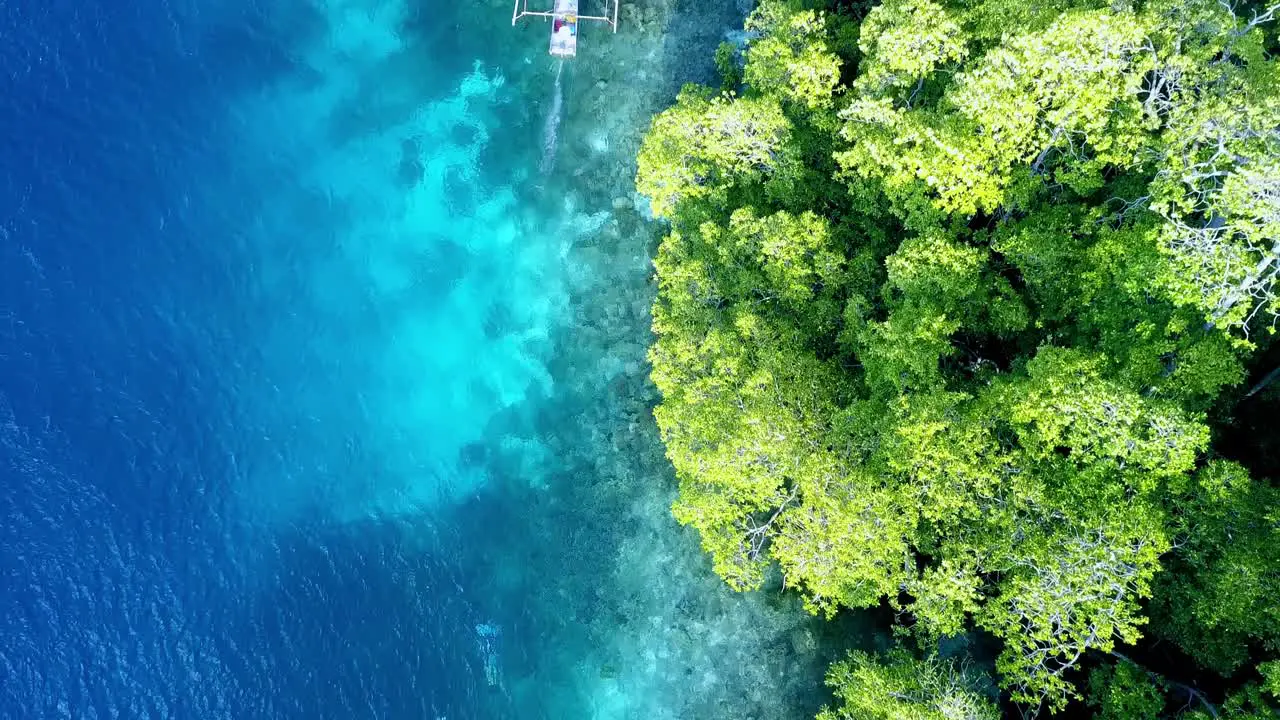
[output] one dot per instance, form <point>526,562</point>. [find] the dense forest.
<point>966,314</point>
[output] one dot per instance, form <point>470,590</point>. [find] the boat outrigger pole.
<point>564,22</point>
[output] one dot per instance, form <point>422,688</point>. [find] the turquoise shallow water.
<point>311,363</point>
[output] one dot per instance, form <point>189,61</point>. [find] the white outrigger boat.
<point>564,22</point>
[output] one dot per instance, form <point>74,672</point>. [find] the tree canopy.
<point>954,299</point>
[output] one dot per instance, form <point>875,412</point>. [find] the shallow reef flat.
<point>488,314</point>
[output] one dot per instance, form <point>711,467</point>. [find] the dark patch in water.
<point>410,169</point>
<point>439,34</point>
<point>459,191</point>
<point>438,269</point>
<point>464,135</point>
<point>497,322</point>
<point>473,454</point>
<point>250,51</point>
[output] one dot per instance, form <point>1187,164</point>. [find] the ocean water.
<point>322,380</point>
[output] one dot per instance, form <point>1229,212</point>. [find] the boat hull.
<point>564,28</point>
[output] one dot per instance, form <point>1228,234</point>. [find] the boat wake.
<point>552,126</point>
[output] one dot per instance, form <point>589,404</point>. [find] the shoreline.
<point>655,634</point>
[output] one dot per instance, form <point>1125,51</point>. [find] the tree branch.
<point>1194,693</point>
<point>1264,382</point>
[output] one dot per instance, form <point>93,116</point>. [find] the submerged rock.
<point>410,169</point>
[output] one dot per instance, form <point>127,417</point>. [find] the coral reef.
<point>476,330</point>
<point>627,619</point>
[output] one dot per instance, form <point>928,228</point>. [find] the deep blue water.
<point>145,573</point>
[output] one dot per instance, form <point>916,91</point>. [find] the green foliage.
<point>1248,703</point>
<point>903,42</point>
<point>989,23</point>
<point>903,688</point>
<point>748,397</point>
<point>728,67</point>
<point>1091,285</point>
<point>1065,403</point>
<point>1271,677</point>
<point>1222,589</point>
<point>792,61</point>
<point>705,144</point>
<point>863,532</point>
<point>946,334</point>
<point>1071,592</point>
<point>1218,185</point>
<point>1219,192</point>
<point>1124,691</point>
<point>1070,90</point>
<point>945,596</point>
<point>935,270</point>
